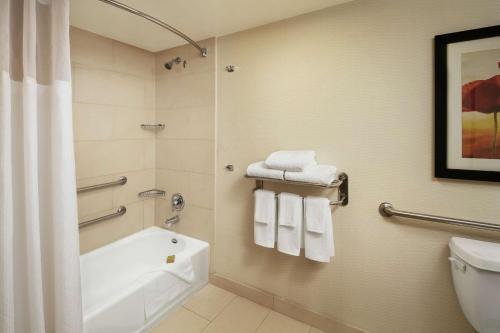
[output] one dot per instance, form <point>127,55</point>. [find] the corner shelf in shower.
<point>154,127</point>
<point>342,183</point>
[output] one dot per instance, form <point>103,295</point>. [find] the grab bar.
<point>121,181</point>
<point>120,211</point>
<point>387,209</point>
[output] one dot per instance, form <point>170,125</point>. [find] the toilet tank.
<point>475,267</point>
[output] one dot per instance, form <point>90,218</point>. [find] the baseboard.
<point>282,305</point>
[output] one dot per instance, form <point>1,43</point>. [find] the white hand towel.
<point>290,216</point>
<point>265,218</point>
<point>259,169</point>
<point>319,174</point>
<point>291,160</point>
<point>318,236</point>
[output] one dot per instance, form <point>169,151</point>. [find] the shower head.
<point>170,64</point>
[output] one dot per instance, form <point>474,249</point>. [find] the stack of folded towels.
<point>298,222</point>
<point>295,165</point>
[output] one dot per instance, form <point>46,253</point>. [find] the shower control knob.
<point>177,202</point>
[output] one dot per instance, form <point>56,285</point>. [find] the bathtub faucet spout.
<point>171,221</point>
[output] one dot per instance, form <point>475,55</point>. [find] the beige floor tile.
<point>209,301</point>
<point>316,330</point>
<point>276,322</point>
<point>181,321</point>
<point>241,315</point>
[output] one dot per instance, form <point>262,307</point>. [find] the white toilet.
<point>475,267</point>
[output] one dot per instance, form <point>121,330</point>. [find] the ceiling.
<point>199,19</point>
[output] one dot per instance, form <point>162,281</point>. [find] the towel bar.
<point>342,183</point>
<point>387,209</point>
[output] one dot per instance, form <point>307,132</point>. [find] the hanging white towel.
<point>265,218</point>
<point>291,160</point>
<point>259,169</point>
<point>319,174</point>
<point>318,236</point>
<point>290,217</point>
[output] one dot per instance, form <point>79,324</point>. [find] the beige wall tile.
<point>127,121</point>
<point>209,301</point>
<point>149,213</point>
<point>186,155</point>
<point>201,190</point>
<point>276,322</point>
<point>90,49</point>
<point>132,60</point>
<point>183,91</point>
<point>241,315</point>
<point>197,222</point>
<point>181,321</point>
<point>316,330</point>
<point>149,153</point>
<point>150,93</point>
<point>92,122</point>
<point>187,123</point>
<point>97,235</point>
<point>94,201</point>
<point>107,87</point>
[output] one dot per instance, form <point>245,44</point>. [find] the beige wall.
<point>185,149</point>
<point>354,83</point>
<point>113,93</point>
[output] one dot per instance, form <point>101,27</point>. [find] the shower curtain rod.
<point>129,9</point>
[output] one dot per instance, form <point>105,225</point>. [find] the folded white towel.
<point>318,236</point>
<point>265,218</point>
<point>320,174</point>
<point>290,226</point>
<point>259,169</point>
<point>291,160</point>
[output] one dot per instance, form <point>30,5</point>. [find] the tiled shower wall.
<point>185,149</point>
<point>113,93</point>
<point>117,87</point>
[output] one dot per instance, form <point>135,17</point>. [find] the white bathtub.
<point>127,285</point>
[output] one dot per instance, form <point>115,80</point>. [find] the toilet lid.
<point>483,255</point>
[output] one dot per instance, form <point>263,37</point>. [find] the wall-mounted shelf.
<point>342,183</point>
<point>153,127</point>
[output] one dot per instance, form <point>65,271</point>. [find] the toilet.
<point>475,267</point>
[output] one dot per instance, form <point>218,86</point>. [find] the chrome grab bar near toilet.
<point>121,181</point>
<point>119,212</point>
<point>388,210</point>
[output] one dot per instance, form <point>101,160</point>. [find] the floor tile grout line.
<point>263,320</point>
<point>196,314</point>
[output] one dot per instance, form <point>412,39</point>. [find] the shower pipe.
<point>162,24</point>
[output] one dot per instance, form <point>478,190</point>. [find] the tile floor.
<point>215,310</point>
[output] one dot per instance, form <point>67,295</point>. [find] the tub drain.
<point>174,240</point>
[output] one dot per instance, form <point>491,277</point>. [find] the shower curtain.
<point>39,250</point>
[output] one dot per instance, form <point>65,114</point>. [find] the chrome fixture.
<point>387,209</point>
<point>120,211</point>
<point>177,202</point>
<point>171,63</point>
<point>171,221</point>
<point>342,183</point>
<point>121,181</point>
<point>153,127</point>
<point>154,193</point>
<point>203,51</point>
<point>229,167</point>
<point>231,68</point>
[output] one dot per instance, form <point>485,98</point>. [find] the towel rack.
<point>121,181</point>
<point>387,209</point>
<point>342,183</point>
<point>119,212</point>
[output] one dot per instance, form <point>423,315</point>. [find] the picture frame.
<point>467,117</point>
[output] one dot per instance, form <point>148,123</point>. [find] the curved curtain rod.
<point>129,9</point>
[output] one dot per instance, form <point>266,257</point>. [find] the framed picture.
<point>467,104</point>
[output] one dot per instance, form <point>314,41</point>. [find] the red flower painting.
<point>482,96</point>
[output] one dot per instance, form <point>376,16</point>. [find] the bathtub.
<point>127,286</point>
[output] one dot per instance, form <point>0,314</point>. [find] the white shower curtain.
<point>39,251</point>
